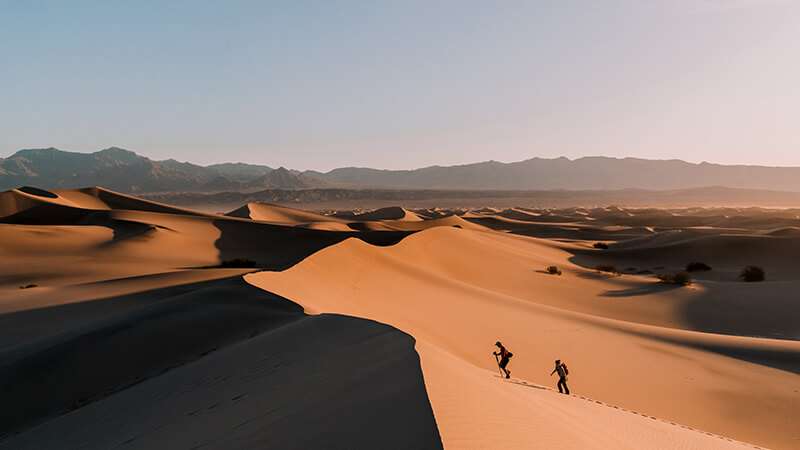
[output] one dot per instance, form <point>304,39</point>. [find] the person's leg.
<point>566,388</point>
<point>560,380</point>
<point>504,366</point>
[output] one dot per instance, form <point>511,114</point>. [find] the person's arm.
<point>554,371</point>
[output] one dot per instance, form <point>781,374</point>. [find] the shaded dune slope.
<point>237,375</point>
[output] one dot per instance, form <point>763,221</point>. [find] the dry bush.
<point>553,270</point>
<point>753,274</point>
<point>697,267</point>
<point>680,278</point>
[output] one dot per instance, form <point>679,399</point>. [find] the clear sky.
<point>403,84</point>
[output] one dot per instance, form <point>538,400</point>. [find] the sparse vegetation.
<point>601,245</point>
<point>697,267</point>
<point>29,286</point>
<point>752,274</point>
<point>239,263</point>
<point>553,270</point>
<point>607,269</point>
<point>679,279</point>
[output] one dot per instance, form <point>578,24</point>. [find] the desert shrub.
<point>680,278</point>
<point>553,270</point>
<point>697,267</point>
<point>601,245</point>
<point>606,268</point>
<point>752,274</point>
<point>239,263</point>
<point>29,286</point>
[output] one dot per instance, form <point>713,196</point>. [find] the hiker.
<point>504,357</point>
<point>562,370</point>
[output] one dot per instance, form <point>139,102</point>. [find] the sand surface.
<point>374,329</point>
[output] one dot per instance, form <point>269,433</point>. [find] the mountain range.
<point>126,171</point>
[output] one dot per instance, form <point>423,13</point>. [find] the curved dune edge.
<point>675,374</point>
<point>266,212</point>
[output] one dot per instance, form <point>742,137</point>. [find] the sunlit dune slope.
<point>457,291</point>
<point>279,214</point>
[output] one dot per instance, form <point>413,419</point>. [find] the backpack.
<point>509,355</point>
<point>566,371</point>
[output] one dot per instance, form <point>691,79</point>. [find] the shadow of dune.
<point>277,247</point>
<point>768,310</point>
<point>141,363</point>
<point>597,275</point>
<point>641,290</point>
<point>37,191</point>
<point>553,230</point>
<point>50,214</point>
<point>785,359</point>
<point>53,374</point>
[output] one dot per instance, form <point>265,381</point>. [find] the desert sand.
<point>134,324</point>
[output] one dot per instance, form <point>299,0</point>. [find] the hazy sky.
<point>402,84</point>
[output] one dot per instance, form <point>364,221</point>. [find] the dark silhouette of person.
<point>562,371</point>
<point>505,357</point>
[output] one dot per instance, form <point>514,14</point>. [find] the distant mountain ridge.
<point>589,173</point>
<point>126,171</point>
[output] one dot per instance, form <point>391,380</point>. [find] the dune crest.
<point>266,212</point>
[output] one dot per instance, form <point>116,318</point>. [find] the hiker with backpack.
<point>562,370</point>
<point>503,356</point>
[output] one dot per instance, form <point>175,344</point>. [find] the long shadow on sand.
<point>220,364</point>
<point>641,290</point>
<point>50,214</point>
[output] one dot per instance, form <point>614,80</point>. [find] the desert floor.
<point>126,323</point>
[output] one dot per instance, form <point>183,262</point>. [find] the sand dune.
<point>373,330</point>
<point>414,225</point>
<point>279,214</point>
<point>71,239</point>
<point>483,292</point>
